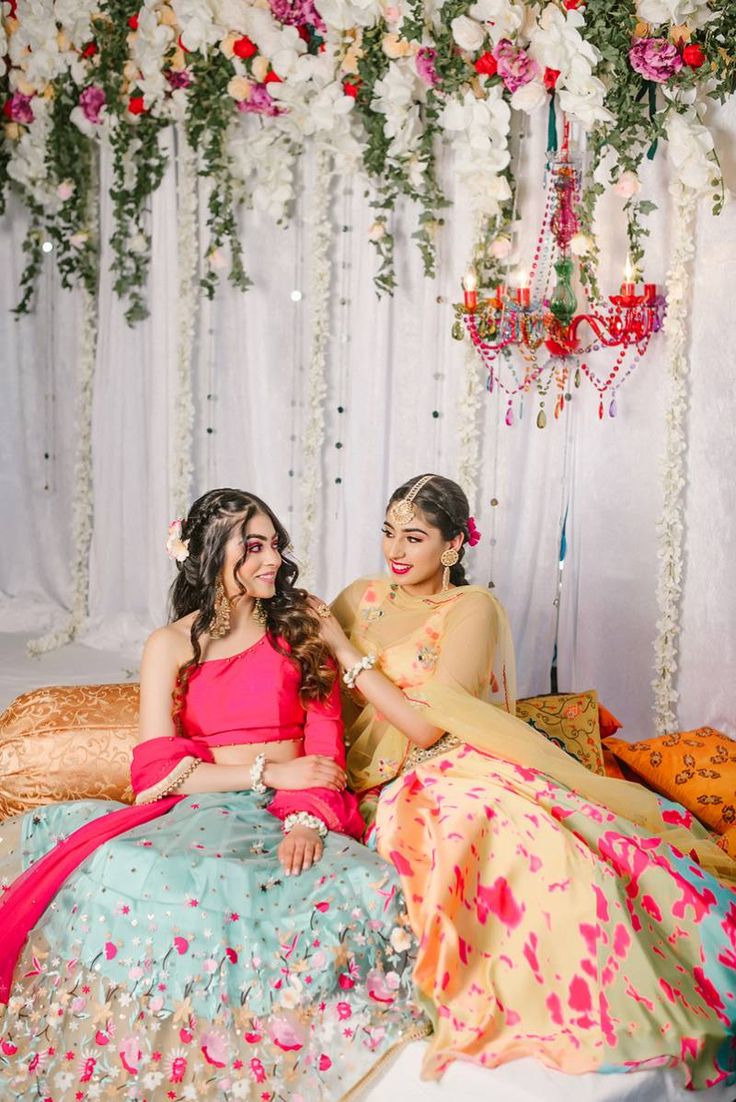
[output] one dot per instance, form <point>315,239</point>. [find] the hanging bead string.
<point>343,349</point>
<point>297,345</point>
<point>49,379</point>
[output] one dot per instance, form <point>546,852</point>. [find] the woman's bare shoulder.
<point>171,644</point>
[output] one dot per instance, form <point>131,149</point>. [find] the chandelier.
<point>534,341</point>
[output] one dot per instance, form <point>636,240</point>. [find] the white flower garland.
<point>314,433</point>
<point>670,527</point>
<point>468,409</point>
<point>83,503</point>
<point>187,223</point>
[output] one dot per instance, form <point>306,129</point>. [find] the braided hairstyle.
<point>207,528</point>
<point>446,507</point>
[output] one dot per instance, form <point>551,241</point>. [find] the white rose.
<point>504,18</point>
<point>400,939</point>
<point>468,33</point>
<point>694,13</point>
<point>529,97</point>
<point>501,247</point>
<point>377,231</point>
<point>628,184</point>
<point>580,244</point>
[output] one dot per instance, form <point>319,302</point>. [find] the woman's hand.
<point>311,771</point>
<point>329,629</point>
<point>299,850</point>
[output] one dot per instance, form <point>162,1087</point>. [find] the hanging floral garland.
<point>187,222</point>
<point>255,82</point>
<point>314,432</point>
<point>83,502</point>
<point>670,528</point>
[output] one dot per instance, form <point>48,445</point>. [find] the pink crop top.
<point>254,697</point>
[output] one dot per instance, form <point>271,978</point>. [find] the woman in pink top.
<point>226,937</point>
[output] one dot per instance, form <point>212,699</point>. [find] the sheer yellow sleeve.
<point>469,644</point>
<point>346,604</point>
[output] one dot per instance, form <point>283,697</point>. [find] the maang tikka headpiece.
<point>404,510</point>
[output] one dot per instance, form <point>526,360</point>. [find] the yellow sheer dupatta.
<point>452,655</point>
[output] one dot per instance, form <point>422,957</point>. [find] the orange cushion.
<point>607,722</point>
<point>611,765</point>
<point>695,768</point>
<point>570,720</point>
<point>67,743</point>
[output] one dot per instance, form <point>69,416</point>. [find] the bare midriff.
<point>246,753</point>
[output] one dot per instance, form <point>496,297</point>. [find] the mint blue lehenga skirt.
<point>178,962</point>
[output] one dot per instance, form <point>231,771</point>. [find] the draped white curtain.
<point>393,378</point>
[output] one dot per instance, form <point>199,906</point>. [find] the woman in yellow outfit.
<point>560,914</point>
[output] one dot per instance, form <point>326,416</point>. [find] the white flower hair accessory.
<point>176,548</point>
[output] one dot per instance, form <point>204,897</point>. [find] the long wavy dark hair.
<point>207,528</point>
<point>446,507</point>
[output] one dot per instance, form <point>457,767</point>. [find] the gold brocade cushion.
<point>695,768</point>
<point>570,720</point>
<point>67,742</point>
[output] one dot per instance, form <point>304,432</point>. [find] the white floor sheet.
<point>521,1081</point>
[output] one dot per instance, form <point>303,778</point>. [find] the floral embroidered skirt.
<point>551,928</point>
<point>178,962</point>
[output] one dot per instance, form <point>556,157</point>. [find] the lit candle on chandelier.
<point>523,290</point>
<point>628,287</point>
<point>470,289</point>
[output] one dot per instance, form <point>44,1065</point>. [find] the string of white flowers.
<point>670,527</point>
<point>468,420</point>
<point>314,432</point>
<point>187,223</point>
<point>83,501</point>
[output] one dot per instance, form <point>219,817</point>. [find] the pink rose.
<point>344,1011</point>
<point>656,59</point>
<point>424,62</point>
<point>259,102</point>
<point>18,108</point>
<point>515,67</point>
<point>92,100</point>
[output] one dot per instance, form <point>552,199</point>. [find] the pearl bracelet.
<point>304,819</point>
<point>256,774</point>
<point>367,662</point>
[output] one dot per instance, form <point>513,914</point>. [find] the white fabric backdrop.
<point>391,364</point>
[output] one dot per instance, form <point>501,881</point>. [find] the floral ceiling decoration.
<point>378,84</point>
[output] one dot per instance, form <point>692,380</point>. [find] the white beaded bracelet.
<point>304,819</point>
<point>256,774</point>
<point>367,662</point>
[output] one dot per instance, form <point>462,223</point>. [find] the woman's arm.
<point>465,661</point>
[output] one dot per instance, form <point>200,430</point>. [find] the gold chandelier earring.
<point>448,558</point>
<point>220,622</point>
<point>259,612</point>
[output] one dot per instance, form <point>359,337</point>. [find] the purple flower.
<point>297,13</point>
<point>181,79</point>
<point>18,108</point>
<point>259,102</point>
<point>92,100</point>
<point>425,60</point>
<point>515,67</point>
<point>655,58</point>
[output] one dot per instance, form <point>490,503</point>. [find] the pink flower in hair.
<point>473,533</point>
<point>176,548</point>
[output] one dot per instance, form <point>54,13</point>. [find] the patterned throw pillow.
<point>570,720</point>
<point>67,743</point>
<point>727,841</point>
<point>695,768</point>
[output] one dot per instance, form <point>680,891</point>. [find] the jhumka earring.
<point>220,622</point>
<point>404,510</point>
<point>259,613</point>
<point>448,558</point>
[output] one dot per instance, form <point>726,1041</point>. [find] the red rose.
<point>136,106</point>
<point>272,78</point>
<point>572,4</point>
<point>244,48</point>
<point>551,76</point>
<point>90,49</point>
<point>693,55</point>
<point>486,65</point>
<point>350,89</point>
<point>133,22</point>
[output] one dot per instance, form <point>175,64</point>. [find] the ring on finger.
<point>323,611</point>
